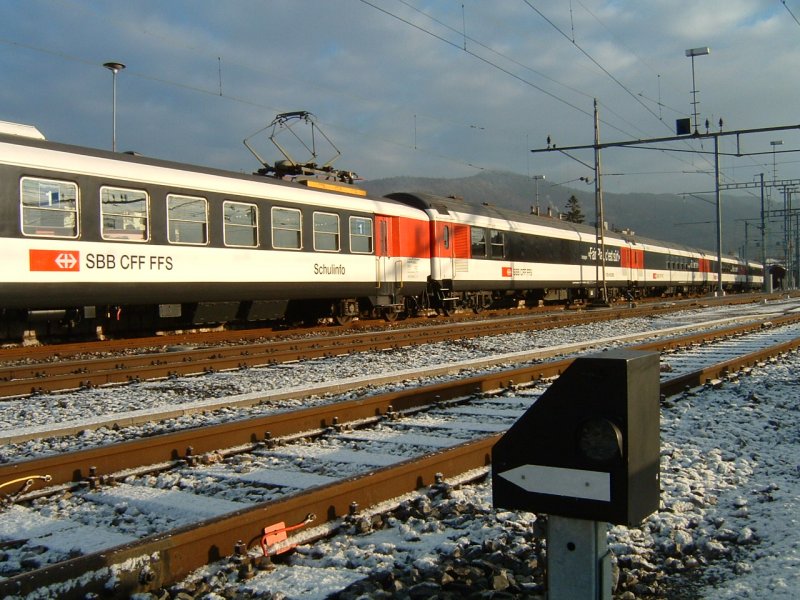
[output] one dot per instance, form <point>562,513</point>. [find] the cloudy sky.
<point>442,88</point>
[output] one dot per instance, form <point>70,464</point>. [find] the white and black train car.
<point>484,255</point>
<point>91,237</point>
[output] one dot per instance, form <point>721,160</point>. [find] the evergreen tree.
<point>574,213</point>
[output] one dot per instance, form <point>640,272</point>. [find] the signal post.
<point>586,454</point>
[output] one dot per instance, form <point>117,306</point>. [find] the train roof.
<point>447,205</point>
<point>131,157</point>
<point>20,129</point>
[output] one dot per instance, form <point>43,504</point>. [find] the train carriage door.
<point>442,267</point>
<point>632,263</point>
<point>388,265</point>
<point>451,249</point>
<point>461,249</point>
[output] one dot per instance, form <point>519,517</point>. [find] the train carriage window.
<point>49,207</point>
<point>361,237</point>
<point>125,214</point>
<point>326,232</point>
<point>187,219</point>
<point>287,228</point>
<point>241,224</point>
<point>478,236</point>
<point>496,241</point>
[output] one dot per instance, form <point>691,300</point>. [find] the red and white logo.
<point>506,272</point>
<point>55,260</point>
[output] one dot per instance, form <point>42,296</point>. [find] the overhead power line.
<point>789,10</point>
<point>591,58</point>
<point>476,42</point>
<point>486,60</point>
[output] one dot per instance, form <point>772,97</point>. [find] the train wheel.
<point>390,316</point>
<point>343,319</point>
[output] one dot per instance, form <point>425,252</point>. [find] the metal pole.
<point>114,114</point>
<point>694,97</point>
<point>788,275</point>
<point>765,288</point>
<point>602,292</point>
<point>790,264</point>
<point>744,248</point>
<point>536,179</point>
<point>578,560</point>
<point>114,67</point>
<point>796,249</point>
<point>720,290</point>
<point>692,52</point>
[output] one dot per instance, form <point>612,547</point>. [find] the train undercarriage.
<point>114,321</point>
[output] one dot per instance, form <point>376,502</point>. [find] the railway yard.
<point>353,463</point>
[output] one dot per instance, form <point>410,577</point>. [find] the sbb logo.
<point>54,260</point>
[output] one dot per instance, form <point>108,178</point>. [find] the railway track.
<point>145,408</point>
<point>27,377</point>
<point>462,411</point>
<point>63,349</point>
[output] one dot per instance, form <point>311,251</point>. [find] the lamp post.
<point>692,52</point>
<point>114,67</point>
<point>775,143</point>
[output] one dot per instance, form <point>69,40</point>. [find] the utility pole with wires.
<point>601,289</point>
<point>597,146</point>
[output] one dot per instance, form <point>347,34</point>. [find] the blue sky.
<point>391,83</point>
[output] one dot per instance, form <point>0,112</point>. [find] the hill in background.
<point>667,217</point>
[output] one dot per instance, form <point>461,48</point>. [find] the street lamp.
<point>774,143</point>
<point>114,67</point>
<point>692,52</point>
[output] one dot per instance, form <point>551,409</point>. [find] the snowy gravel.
<point>726,528</point>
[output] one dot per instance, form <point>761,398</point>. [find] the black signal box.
<point>683,126</point>
<point>588,448</point>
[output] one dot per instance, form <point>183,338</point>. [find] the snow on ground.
<point>732,462</point>
<point>728,522</point>
<point>727,527</point>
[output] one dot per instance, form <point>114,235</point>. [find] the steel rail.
<point>189,444</point>
<point>22,380</point>
<point>157,561</point>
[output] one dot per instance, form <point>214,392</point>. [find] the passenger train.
<point>99,240</point>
